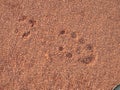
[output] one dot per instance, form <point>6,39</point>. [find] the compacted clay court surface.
<point>59,44</point>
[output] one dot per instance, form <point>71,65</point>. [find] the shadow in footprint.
<point>81,41</point>
<point>69,55</point>
<point>26,34</point>
<point>86,60</point>
<point>89,47</point>
<point>73,35</point>
<point>32,22</point>
<point>61,48</point>
<point>62,32</point>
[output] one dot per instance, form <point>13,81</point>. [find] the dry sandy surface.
<point>59,44</point>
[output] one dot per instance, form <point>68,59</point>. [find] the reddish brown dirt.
<point>59,44</point>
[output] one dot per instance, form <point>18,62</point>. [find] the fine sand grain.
<point>59,44</point>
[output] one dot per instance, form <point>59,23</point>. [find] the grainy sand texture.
<point>59,44</point>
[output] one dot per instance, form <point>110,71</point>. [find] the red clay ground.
<point>59,44</point>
